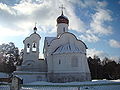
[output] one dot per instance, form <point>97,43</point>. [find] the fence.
<point>105,86</point>
<point>4,86</point>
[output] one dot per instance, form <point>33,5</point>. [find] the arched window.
<point>28,48</point>
<point>74,61</point>
<point>64,29</point>
<point>59,61</point>
<point>34,46</point>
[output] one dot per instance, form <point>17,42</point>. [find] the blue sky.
<point>96,22</point>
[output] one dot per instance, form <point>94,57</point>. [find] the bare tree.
<point>9,57</point>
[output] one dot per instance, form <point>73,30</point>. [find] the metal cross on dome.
<point>35,24</point>
<point>62,8</point>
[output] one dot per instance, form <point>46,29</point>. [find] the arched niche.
<point>34,46</point>
<point>28,48</point>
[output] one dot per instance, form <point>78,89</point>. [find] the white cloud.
<point>98,25</point>
<point>84,3</point>
<point>115,58</point>
<point>114,43</point>
<point>6,8</point>
<point>93,51</point>
<point>102,4</point>
<point>25,8</point>
<point>99,19</point>
<point>24,14</point>
<point>118,2</point>
<point>8,32</point>
<point>89,38</point>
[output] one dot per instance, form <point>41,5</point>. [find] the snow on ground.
<point>89,85</point>
<point>75,83</point>
<point>74,88</point>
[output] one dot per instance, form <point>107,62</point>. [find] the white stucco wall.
<point>61,28</point>
<point>66,61</point>
<point>35,66</point>
<point>29,77</point>
<point>65,66</point>
<point>31,55</point>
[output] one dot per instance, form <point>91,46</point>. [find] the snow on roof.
<point>31,36</point>
<point>49,39</point>
<point>67,48</point>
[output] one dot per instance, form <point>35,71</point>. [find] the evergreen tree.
<point>103,69</point>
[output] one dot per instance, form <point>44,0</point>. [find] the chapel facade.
<point>64,57</point>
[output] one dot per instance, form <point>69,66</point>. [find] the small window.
<point>74,61</point>
<point>64,29</point>
<point>28,48</point>
<point>34,47</point>
<point>28,64</point>
<point>59,61</point>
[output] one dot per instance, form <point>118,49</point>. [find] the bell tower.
<point>31,48</point>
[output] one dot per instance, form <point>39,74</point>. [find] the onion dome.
<point>62,19</point>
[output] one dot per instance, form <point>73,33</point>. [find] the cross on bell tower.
<point>35,28</point>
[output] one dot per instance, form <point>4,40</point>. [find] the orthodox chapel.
<point>64,57</point>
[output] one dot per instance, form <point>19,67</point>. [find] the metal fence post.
<point>78,88</point>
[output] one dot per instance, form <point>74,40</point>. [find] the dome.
<point>62,19</point>
<point>35,29</point>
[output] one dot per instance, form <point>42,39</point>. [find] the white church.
<point>64,57</point>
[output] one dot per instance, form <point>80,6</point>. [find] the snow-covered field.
<point>91,85</point>
<point>94,85</point>
<point>76,83</point>
<point>112,87</point>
